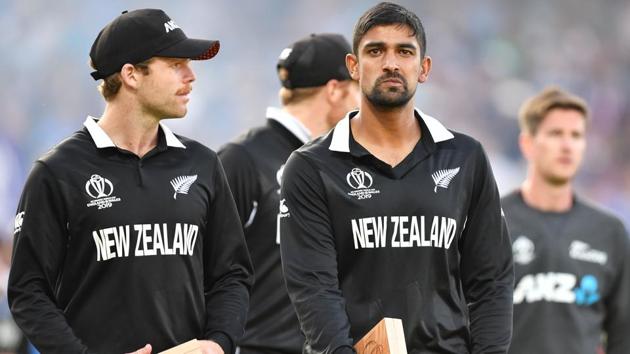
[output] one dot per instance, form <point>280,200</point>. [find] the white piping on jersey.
<point>291,123</point>
<point>341,135</point>
<point>102,140</point>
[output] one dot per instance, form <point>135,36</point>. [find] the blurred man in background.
<point>127,234</point>
<point>572,259</point>
<point>316,93</point>
<point>393,215</point>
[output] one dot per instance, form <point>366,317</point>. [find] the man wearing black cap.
<point>316,92</point>
<point>127,234</point>
<point>393,215</point>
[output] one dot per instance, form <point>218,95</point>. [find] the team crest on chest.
<point>100,189</point>
<point>443,178</point>
<point>182,184</point>
<point>361,183</point>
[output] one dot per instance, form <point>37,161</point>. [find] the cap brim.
<point>195,49</point>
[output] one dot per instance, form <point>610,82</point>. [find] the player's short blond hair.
<point>111,85</point>
<point>534,110</point>
<point>297,95</point>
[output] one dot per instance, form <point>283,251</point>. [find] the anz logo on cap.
<point>170,25</point>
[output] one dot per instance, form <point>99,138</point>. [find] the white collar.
<point>341,135</point>
<point>102,140</point>
<point>290,122</point>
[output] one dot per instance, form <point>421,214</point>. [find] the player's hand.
<point>145,350</point>
<point>210,347</point>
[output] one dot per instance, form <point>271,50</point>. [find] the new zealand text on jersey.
<point>151,240</point>
<point>404,231</point>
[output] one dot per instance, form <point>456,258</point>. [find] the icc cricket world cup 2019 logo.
<point>358,179</point>
<point>361,183</point>
<point>98,187</point>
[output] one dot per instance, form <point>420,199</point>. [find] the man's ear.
<point>525,143</point>
<point>425,68</point>
<point>352,63</point>
<point>334,91</point>
<point>129,76</point>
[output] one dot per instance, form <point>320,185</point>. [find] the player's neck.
<point>129,128</point>
<point>390,135</point>
<point>311,116</point>
<point>545,196</point>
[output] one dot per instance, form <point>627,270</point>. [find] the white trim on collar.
<point>290,122</point>
<point>341,135</point>
<point>171,139</point>
<point>438,131</point>
<point>102,140</point>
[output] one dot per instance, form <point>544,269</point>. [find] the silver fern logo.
<point>443,178</point>
<point>182,184</point>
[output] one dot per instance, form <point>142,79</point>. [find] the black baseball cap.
<point>138,35</point>
<point>314,60</point>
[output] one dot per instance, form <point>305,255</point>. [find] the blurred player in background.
<point>572,259</point>
<point>316,93</point>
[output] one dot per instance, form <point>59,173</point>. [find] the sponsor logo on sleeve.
<point>283,212</point>
<point>101,190</point>
<point>17,225</point>
<point>361,182</point>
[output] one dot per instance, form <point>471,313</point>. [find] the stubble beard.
<point>392,97</point>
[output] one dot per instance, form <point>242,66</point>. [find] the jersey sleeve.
<point>228,269</point>
<point>617,321</point>
<point>309,259</point>
<point>39,248</point>
<point>486,264</point>
<point>242,178</point>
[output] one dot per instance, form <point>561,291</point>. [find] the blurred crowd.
<point>488,56</point>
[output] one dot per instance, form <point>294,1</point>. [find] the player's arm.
<point>309,259</point>
<point>486,264</point>
<point>228,270</point>
<point>617,321</point>
<point>242,177</point>
<point>39,248</point>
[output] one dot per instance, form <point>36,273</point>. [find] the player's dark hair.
<point>387,13</point>
<point>535,109</point>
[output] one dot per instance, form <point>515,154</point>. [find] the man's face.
<point>388,65</point>
<point>163,93</point>
<point>555,151</point>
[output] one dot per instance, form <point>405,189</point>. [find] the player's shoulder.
<point>597,214</point>
<point>76,146</point>
<point>317,149</point>
<point>193,147</point>
<point>512,198</point>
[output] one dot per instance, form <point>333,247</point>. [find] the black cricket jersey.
<point>423,241</point>
<point>572,279</point>
<point>113,251</point>
<point>253,164</point>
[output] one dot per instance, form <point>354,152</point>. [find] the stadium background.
<point>488,56</point>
